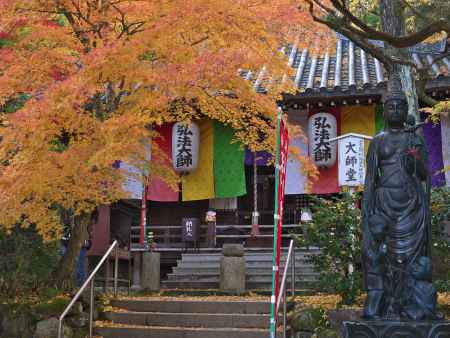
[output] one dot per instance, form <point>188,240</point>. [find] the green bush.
<point>440,214</point>
<point>336,230</point>
<point>25,263</point>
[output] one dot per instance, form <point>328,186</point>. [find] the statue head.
<point>395,104</point>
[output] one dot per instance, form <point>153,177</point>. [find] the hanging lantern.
<point>321,128</point>
<point>185,146</point>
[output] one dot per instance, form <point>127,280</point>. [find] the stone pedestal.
<point>151,271</point>
<point>396,329</point>
<point>232,269</point>
<point>136,285</point>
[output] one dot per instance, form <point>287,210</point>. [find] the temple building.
<point>339,93</point>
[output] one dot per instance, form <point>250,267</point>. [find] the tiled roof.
<point>349,70</point>
<point>351,67</point>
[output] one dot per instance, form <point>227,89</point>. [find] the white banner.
<point>134,177</point>
<point>295,179</point>
<point>133,184</point>
<point>352,167</point>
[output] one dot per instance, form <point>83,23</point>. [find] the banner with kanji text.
<point>280,179</point>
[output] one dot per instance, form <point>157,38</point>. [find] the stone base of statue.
<point>396,329</point>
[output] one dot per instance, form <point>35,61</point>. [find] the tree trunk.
<point>409,87</point>
<point>393,22</point>
<point>63,276</point>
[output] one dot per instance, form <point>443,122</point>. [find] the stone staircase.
<point>202,270</point>
<point>175,318</point>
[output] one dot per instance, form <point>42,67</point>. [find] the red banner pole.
<point>280,178</point>
<point>142,237</point>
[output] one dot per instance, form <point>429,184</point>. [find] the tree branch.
<point>440,57</point>
<point>427,99</point>
<point>399,42</point>
<point>421,81</point>
<point>127,28</point>
<point>352,33</point>
<point>415,11</point>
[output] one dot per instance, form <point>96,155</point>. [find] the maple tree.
<point>83,81</point>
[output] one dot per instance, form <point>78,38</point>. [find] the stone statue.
<point>396,220</point>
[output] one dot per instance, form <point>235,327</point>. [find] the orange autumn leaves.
<point>99,73</point>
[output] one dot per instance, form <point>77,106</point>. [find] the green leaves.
<point>440,216</point>
<point>336,230</point>
<point>25,262</point>
<point>15,103</point>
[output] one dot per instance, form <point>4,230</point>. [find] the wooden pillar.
<point>100,232</point>
<point>255,213</point>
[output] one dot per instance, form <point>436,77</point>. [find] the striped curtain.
<point>159,190</point>
<point>229,170</point>
<point>199,184</point>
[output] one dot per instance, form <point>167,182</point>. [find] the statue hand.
<point>410,160</point>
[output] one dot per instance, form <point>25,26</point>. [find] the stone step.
<point>181,332</point>
<point>248,255</point>
<point>189,306</point>
<point>267,252</point>
<point>249,270</point>
<point>268,277</point>
<point>183,264</point>
<point>214,282</point>
<point>248,277</point>
<point>189,285</point>
<point>254,285</point>
<point>206,320</point>
<point>252,258</point>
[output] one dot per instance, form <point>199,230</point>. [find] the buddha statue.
<point>396,219</point>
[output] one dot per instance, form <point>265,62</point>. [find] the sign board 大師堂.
<point>351,161</point>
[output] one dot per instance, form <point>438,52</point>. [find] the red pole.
<point>143,215</point>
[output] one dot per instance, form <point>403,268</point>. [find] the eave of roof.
<point>349,75</point>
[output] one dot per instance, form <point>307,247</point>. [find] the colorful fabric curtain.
<point>360,120</point>
<point>229,171</point>
<point>159,190</point>
<point>295,179</point>
<point>262,157</point>
<point>445,134</point>
<point>379,121</point>
<point>433,142</point>
<point>199,184</point>
<point>223,203</point>
<point>327,182</point>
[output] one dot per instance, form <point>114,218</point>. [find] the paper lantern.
<point>185,146</point>
<point>321,128</point>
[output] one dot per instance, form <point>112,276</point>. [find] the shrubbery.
<point>25,263</point>
<point>440,216</point>
<point>336,229</point>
